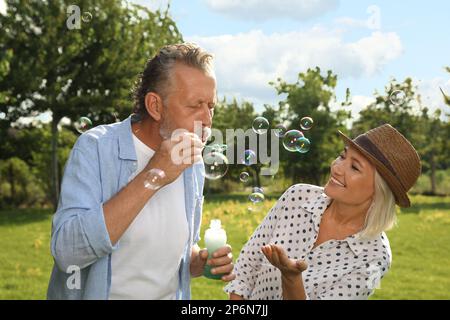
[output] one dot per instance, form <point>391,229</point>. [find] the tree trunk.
<point>54,167</point>
<point>12,183</point>
<point>433,174</point>
<point>317,180</point>
<point>257,178</point>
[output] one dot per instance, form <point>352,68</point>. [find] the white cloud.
<point>2,7</point>
<point>431,95</point>
<point>351,22</point>
<point>152,5</point>
<point>358,103</point>
<point>246,62</point>
<point>372,22</point>
<point>272,9</point>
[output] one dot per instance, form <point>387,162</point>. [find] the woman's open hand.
<point>278,258</point>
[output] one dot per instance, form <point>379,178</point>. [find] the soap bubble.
<point>304,145</point>
<point>217,147</point>
<point>83,124</point>
<point>87,16</point>
<point>154,179</point>
<point>280,130</point>
<point>306,123</point>
<point>249,157</point>
<point>257,195</point>
<point>398,97</point>
<point>244,176</point>
<point>291,140</point>
<point>260,125</point>
<point>216,165</point>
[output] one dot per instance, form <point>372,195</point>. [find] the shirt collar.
<point>126,144</point>
<point>317,204</point>
<point>356,245</point>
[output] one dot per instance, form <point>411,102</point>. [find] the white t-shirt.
<point>146,264</point>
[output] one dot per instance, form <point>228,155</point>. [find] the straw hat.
<point>394,157</point>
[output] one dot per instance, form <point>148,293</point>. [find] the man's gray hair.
<point>157,72</point>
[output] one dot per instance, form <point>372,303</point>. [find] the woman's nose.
<point>336,168</point>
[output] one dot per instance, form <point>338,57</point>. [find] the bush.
<point>18,186</point>
<point>423,185</point>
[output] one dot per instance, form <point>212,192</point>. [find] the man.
<point>113,238</point>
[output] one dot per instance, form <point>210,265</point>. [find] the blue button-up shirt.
<point>99,166</point>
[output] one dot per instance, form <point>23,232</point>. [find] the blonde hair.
<point>381,215</point>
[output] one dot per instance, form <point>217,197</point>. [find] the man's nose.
<point>206,116</point>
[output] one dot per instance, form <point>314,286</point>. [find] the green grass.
<point>420,246</point>
<point>25,260</point>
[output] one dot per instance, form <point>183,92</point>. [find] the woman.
<point>329,243</point>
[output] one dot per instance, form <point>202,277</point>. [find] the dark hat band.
<point>364,142</point>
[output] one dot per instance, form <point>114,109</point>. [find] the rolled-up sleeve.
<point>251,257</point>
<point>79,233</point>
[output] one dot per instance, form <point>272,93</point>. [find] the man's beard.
<point>165,129</point>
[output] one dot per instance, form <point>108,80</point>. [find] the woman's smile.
<point>337,182</point>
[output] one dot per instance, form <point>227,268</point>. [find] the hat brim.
<point>401,197</point>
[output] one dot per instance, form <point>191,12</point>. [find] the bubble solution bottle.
<point>215,238</point>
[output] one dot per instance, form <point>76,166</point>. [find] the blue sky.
<point>284,37</point>
<point>366,43</point>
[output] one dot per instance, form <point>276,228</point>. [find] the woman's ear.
<point>153,105</point>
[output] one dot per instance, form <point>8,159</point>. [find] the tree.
<point>18,185</point>
<point>310,96</point>
<point>40,159</point>
<point>435,145</point>
<point>427,133</point>
<point>231,115</point>
<point>31,144</point>
<point>74,72</point>
<point>399,114</point>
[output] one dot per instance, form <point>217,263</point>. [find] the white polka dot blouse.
<point>337,269</point>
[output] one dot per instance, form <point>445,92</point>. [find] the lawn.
<point>420,246</point>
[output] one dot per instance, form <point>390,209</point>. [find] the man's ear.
<point>153,105</point>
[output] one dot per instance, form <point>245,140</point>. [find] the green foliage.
<point>18,186</point>
<point>87,70</point>
<point>5,57</point>
<point>77,72</point>
<point>311,96</point>
<point>29,150</point>
<point>41,156</point>
<point>442,183</point>
<point>384,111</point>
<point>428,133</point>
<point>230,115</point>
